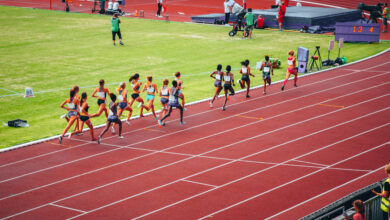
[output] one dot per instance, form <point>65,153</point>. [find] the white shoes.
<point>112,130</point>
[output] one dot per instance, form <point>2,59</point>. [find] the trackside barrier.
<point>336,209</point>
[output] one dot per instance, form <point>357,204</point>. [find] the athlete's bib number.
<point>266,69</point>
<point>164,92</point>
<point>290,62</point>
<point>120,98</point>
<point>217,76</point>
<point>244,70</point>
<point>101,94</point>
<point>71,105</point>
<point>150,90</point>
<point>172,99</point>
<point>226,78</point>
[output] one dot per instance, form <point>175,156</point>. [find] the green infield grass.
<point>51,51</point>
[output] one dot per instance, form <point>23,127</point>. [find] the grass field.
<point>52,51</point>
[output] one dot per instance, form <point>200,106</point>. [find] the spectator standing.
<point>385,17</point>
<point>299,3</point>
<point>227,11</point>
<point>159,6</point>
<point>281,13</point>
<point>238,10</point>
<point>277,2</point>
<point>385,200</point>
<point>102,5</point>
<point>249,18</point>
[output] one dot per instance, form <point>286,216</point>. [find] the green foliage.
<point>51,51</point>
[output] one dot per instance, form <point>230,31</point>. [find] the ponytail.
<point>72,93</point>
<point>83,96</point>
<point>133,77</point>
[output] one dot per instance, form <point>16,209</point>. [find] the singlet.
<point>290,62</point>
<point>150,89</point>
<point>85,109</point>
<point>173,98</point>
<point>165,91</point>
<point>227,78</point>
<point>218,75</point>
<point>178,81</point>
<point>244,70</point>
<point>72,103</point>
<point>122,98</point>
<point>101,93</point>
<point>115,109</point>
<point>135,89</point>
<point>266,68</point>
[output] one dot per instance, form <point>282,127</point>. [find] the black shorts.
<point>134,95</point>
<point>84,118</point>
<point>101,101</point>
<point>227,86</point>
<point>116,33</point>
<point>384,21</point>
<point>245,78</point>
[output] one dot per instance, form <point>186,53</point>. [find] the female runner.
<point>135,95</point>
<point>73,104</point>
<point>164,94</point>
<point>112,118</point>
<point>228,79</point>
<point>123,105</point>
<point>180,86</point>
<point>246,72</point>
<point>217,75</point>
<point>292,62</point>
<point>151,89</point>
<point>101,96</point>
<point>173,102</point>
<point>84,116</point>
<point>267,69</point>
<point>76,127</point>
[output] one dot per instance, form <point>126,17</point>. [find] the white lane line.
<point>159,151</point>
<point>326,192</point>
<point>295,180</point>
<point>317,164</point>
<point>260,171</point>
<point>366,115</point>
<point>74,195</point>
<point>205,184</point>
<point>64,207</point>
<point>210,122</point>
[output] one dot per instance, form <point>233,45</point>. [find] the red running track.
<point>313,145</point>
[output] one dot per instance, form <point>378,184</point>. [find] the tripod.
<point>314,59</point>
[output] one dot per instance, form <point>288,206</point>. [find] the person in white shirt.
<point>299,3</point>
<point>159,6</point>
<point>238,10</point>
<point>227,11</point>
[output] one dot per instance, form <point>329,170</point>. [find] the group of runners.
<point>78,107</point>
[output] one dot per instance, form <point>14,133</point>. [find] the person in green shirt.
<point>115,28</point>
<point>249,18</point>
<point>385,17</point>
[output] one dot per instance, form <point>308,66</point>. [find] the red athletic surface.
<point>182,10</point>
<point>282,155</point>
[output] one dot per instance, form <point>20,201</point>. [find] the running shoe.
<point>112,130</point>
<point>121,137</point>
<point>184,109</point>
<point>121,43</point>
<point>295,85</point>
<point>60,140</point>
<point>264,93</point>
<point>128,122</point>
<point>63,116</point>
<point>211,104</point>
<point>139,105</point>
<point>79,134</point>
<point>247,96</point>
<point>70,135</point>
<point>238,81</point>
<point>156,117</point>
<point>223,108</point>
<point>99,139</point>
<point>282,88</point>
<point>182,122</point>
<point>159,123</point>
<point>114,44</point>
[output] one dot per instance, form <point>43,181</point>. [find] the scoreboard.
<point>357,31</point>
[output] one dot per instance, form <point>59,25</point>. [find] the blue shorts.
<point>149,97</point>
<point>266,76</point>
<point>122,105</point>
<point>174,104</point>
<point>217,83</point>
<point>164,101</point>
<point>71,114</point>
<point>112,118</point>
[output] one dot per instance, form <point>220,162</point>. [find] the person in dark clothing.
<point>159,6</point>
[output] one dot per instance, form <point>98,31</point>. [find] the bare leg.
<point>90,129</point>
<point>168,114</point>
<point>248,84</point>
<point>70,123</point>
<point>105,130</point>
